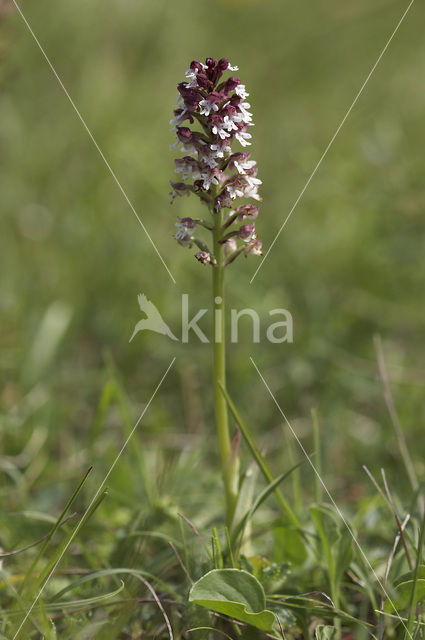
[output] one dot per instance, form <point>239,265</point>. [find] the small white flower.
<point>241,91</point>
<point>251,191</point>
<point>246,115</point>
<point>180,118</point>
<point>209,178</point>
<point>253,182</point>
<point>186,168</point>
<point>243,165</point>
<point>234,191</point>
<point>191,76</point>
<point>207,107</point>
<point>254,246</point>
<point>243,137</point>
<point>221,131</point>
<point>233,68</point>
<point>209,160</point>
<point>256,250</point>
<point>228,124</point>
<point>220,150</point>
<point>182,231</point>
<point>183,235</point>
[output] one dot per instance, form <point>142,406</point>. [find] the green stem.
<point>229,459</point>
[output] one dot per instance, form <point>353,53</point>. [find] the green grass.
<point>348,266</point>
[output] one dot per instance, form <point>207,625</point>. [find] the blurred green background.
<point>349,263</point>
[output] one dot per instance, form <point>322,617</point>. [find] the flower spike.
<point>215,172</point>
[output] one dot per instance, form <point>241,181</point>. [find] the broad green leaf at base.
<point>236,594</point>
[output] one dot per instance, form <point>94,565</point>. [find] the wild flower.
<point>215,173</point>
<point>219,175</point>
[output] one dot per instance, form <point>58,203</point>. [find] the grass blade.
<point>58,523</point>
<point>259,459</point>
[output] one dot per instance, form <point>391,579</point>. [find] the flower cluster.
<point>216,174</point>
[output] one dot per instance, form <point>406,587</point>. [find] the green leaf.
<point>343,549</point>
<point>236,594</point>
<point>289,546</point>
<point>336,542</point>
<point>324,632</point>
<point>403,594</point>
<point>72,604</point>
<point>410,575</point>
<point>242,522</point>
<point>248,483</point>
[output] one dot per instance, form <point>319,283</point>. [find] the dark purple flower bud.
<point>231,84</point>
<point>190,139</point>
<point>222,65</point>
<point>179,189</point>
<point>182,88</point>
<point>184,134</point>
<point>235,100</point>
<point>191,102</point>
<point>214,70</point>
<point>215,97</point>
<point>246,231</point>
<point>190,96</point>
<point>189,223</point>
<point>203,81</point>
<point>203,256</point>
<point>196,65</point>
<point>180,186</point>
<point>186,160</point>
<point>249,211</point>
<point>214,119</point>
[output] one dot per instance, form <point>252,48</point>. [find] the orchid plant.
<point>219,176</point>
